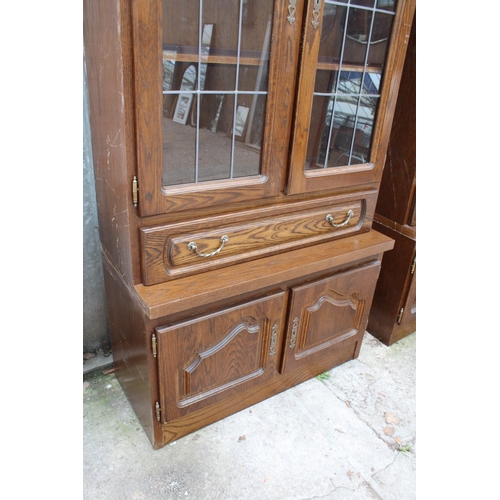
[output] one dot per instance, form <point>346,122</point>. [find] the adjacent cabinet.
<point>394,311</point>
<point>238,151</point>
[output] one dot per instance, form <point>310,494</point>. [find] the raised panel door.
<point>327,315</point>
<point>208,359</point>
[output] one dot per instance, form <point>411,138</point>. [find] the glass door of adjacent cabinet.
<point>207,111</point>
<point>345,53</point>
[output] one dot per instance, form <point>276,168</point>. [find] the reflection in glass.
<point>182,108</point>
<point>356,27</point>
<point>386,5</point>
<point>214,143</point>
<point>168,69</point>
<point>215,73</point>
<point>332,37</point>
<point>362,3</point>
<point>381,33</point>
<point>241,119</point>
<point>353,48</point>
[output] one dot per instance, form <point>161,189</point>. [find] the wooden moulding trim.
<point>240,182</point>
<point>212,286</point>
<point>347,169</point>
<point>410,231</point>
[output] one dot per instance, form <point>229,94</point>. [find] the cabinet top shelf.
<point>198,290</point>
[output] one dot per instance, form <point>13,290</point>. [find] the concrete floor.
<point>346,437</point>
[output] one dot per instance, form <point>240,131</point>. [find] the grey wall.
<point>95,322</point>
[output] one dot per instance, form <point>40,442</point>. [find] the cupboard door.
<point>411,301</point>
<point>328,315</point>
<point>214,97</point>
<point>206,360</point>
<point>407,317</point>
<point>351,61</point>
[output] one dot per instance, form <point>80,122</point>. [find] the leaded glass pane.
<point>353,50</point>
<point>215,81</point>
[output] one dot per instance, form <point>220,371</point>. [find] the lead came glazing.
<point>215,75</point>
<point>353,49</point>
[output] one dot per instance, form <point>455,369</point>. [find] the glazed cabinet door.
<point>328,316</point>
<point>352,54</point>
<point>226,107</point>
<point>214,83</point>
<point>206,360</point>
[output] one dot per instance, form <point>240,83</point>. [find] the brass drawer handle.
<point>192,246</point>
<point>329,218</point>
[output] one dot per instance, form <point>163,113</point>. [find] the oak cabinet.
<point>394,311</point>
<point>238,150</point>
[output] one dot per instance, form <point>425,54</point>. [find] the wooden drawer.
<point>168,251</point>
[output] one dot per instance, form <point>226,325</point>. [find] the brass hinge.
<point>400,315</point>
<point>158,411</point>
<point>135,190</point>
<point>414,264</point>
<point>154,345</point>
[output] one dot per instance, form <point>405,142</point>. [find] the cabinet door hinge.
<point>414,264</point>
<point>400,315</point>
<point>158,411</point>
<point>154,345</point>
<point>135,191</point>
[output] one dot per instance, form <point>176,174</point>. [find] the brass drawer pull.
<point>192,246</point>
<point>329,218</point>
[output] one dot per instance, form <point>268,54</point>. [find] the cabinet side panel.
<point>397,189</point>
<point>104,52</point>
<point>132,352</point>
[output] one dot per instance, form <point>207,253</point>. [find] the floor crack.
<point>353,490</point>
<point>368,480</point>
<point>361,418</point>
